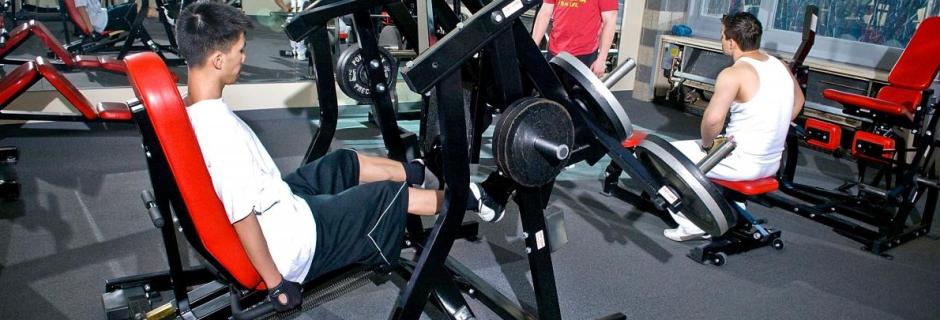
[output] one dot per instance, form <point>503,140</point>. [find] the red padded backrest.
<point>76,17</point>
<point>154,86</point>
<point>16,82</point>
<point>907,98</point>
<point>920,61</point>
<point>66,89</point>
<point>32,27</point>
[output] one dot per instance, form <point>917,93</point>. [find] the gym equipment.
<point>18,81</point>
<point>9,187</point>
<point>111,40</point>
<point>532,141</point>
<point>353,78</point>
<point>26,75</point>
<point>66,60</point>
<point>748,233</point>
<point>669,179</point>
<point>880,213</point>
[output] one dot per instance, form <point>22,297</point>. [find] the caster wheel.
<point>719,259</point>
<point>778,244</point>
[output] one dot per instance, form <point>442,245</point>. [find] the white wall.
<point>629,46</point>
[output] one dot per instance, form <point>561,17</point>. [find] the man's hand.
<point>599,67</point>
<point>285,296</point>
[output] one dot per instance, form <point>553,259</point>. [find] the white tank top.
<point>760,125</point>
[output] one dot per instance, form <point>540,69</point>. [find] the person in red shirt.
<point>583,28</point>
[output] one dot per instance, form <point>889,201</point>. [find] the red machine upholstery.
<point>19,35</point>
<point>750,187</point>
<point>65,87</point>
<point>863,137</point>
<point>154,86</point>
<point>16,82</point>
<point>634,139</point>
<point>114,111</point>
<point>911,75</point>
<point>831,131</point>
<point>105,63</point>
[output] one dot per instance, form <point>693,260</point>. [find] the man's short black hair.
<point>206,26</point>
<point>743,28</point>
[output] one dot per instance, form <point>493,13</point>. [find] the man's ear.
<point>216,60</point>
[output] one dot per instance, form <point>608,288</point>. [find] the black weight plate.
<point>514,144</point>
<point>501,154</point>
<point>703,203</point>
<point>353,77</point>
<point>596,98</point>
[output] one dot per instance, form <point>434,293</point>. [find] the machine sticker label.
<point>668,195</point>
<point>540,240</point>
<point>511,8</point>
<point>812,25</point>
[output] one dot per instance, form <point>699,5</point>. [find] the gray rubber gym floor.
<point>80,222</point>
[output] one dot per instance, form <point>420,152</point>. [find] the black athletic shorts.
<point>362,224</point>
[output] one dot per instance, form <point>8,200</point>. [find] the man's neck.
<point>751,54</point>
<point>202,86</point>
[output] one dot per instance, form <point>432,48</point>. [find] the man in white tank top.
<point>760,96</point>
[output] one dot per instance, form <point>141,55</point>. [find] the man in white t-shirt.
<point>341,209</point>
<point>119,17</point>
<point>762,98</point>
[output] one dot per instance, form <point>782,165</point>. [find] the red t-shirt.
<point>576,25</point>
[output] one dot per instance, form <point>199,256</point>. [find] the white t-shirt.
<point>97,14</point>
<point>246,179</point>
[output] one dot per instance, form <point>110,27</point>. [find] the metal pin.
<point>497,17</point>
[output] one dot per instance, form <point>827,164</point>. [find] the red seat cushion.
<point>66,89</point>
<point>868,103</point>
<point>114,111</point>
<point>113,65</point>
<point>103,63</point>
<point>87,62</point>
<point>635,139</point>
<point>750,187</point>
<point>16,82</point>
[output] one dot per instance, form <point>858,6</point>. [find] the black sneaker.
<point>488,208</point>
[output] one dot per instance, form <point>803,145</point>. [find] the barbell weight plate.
<point>517,130</point>
<point>596,98</point>
<point>352,73</point>
<point>702,202</point>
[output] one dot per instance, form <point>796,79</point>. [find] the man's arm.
<point>252,238</point>
<point>284,7</point>
<point>608,26</point>
<point>798,99</point>
<point>541,22</point>
<point>83,13</point>
<point>726,89</point>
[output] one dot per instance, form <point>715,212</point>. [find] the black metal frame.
<point>136,33</point>
<point>874,217</point>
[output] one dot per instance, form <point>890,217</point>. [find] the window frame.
<point>833,49</point>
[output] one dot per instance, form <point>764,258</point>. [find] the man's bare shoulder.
<point>740,71</point>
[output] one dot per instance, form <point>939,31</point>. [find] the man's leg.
<point>373,169</point>
<point>424,202</point>
<point>686,229</point>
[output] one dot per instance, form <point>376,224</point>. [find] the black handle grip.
<point>152,208</point>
